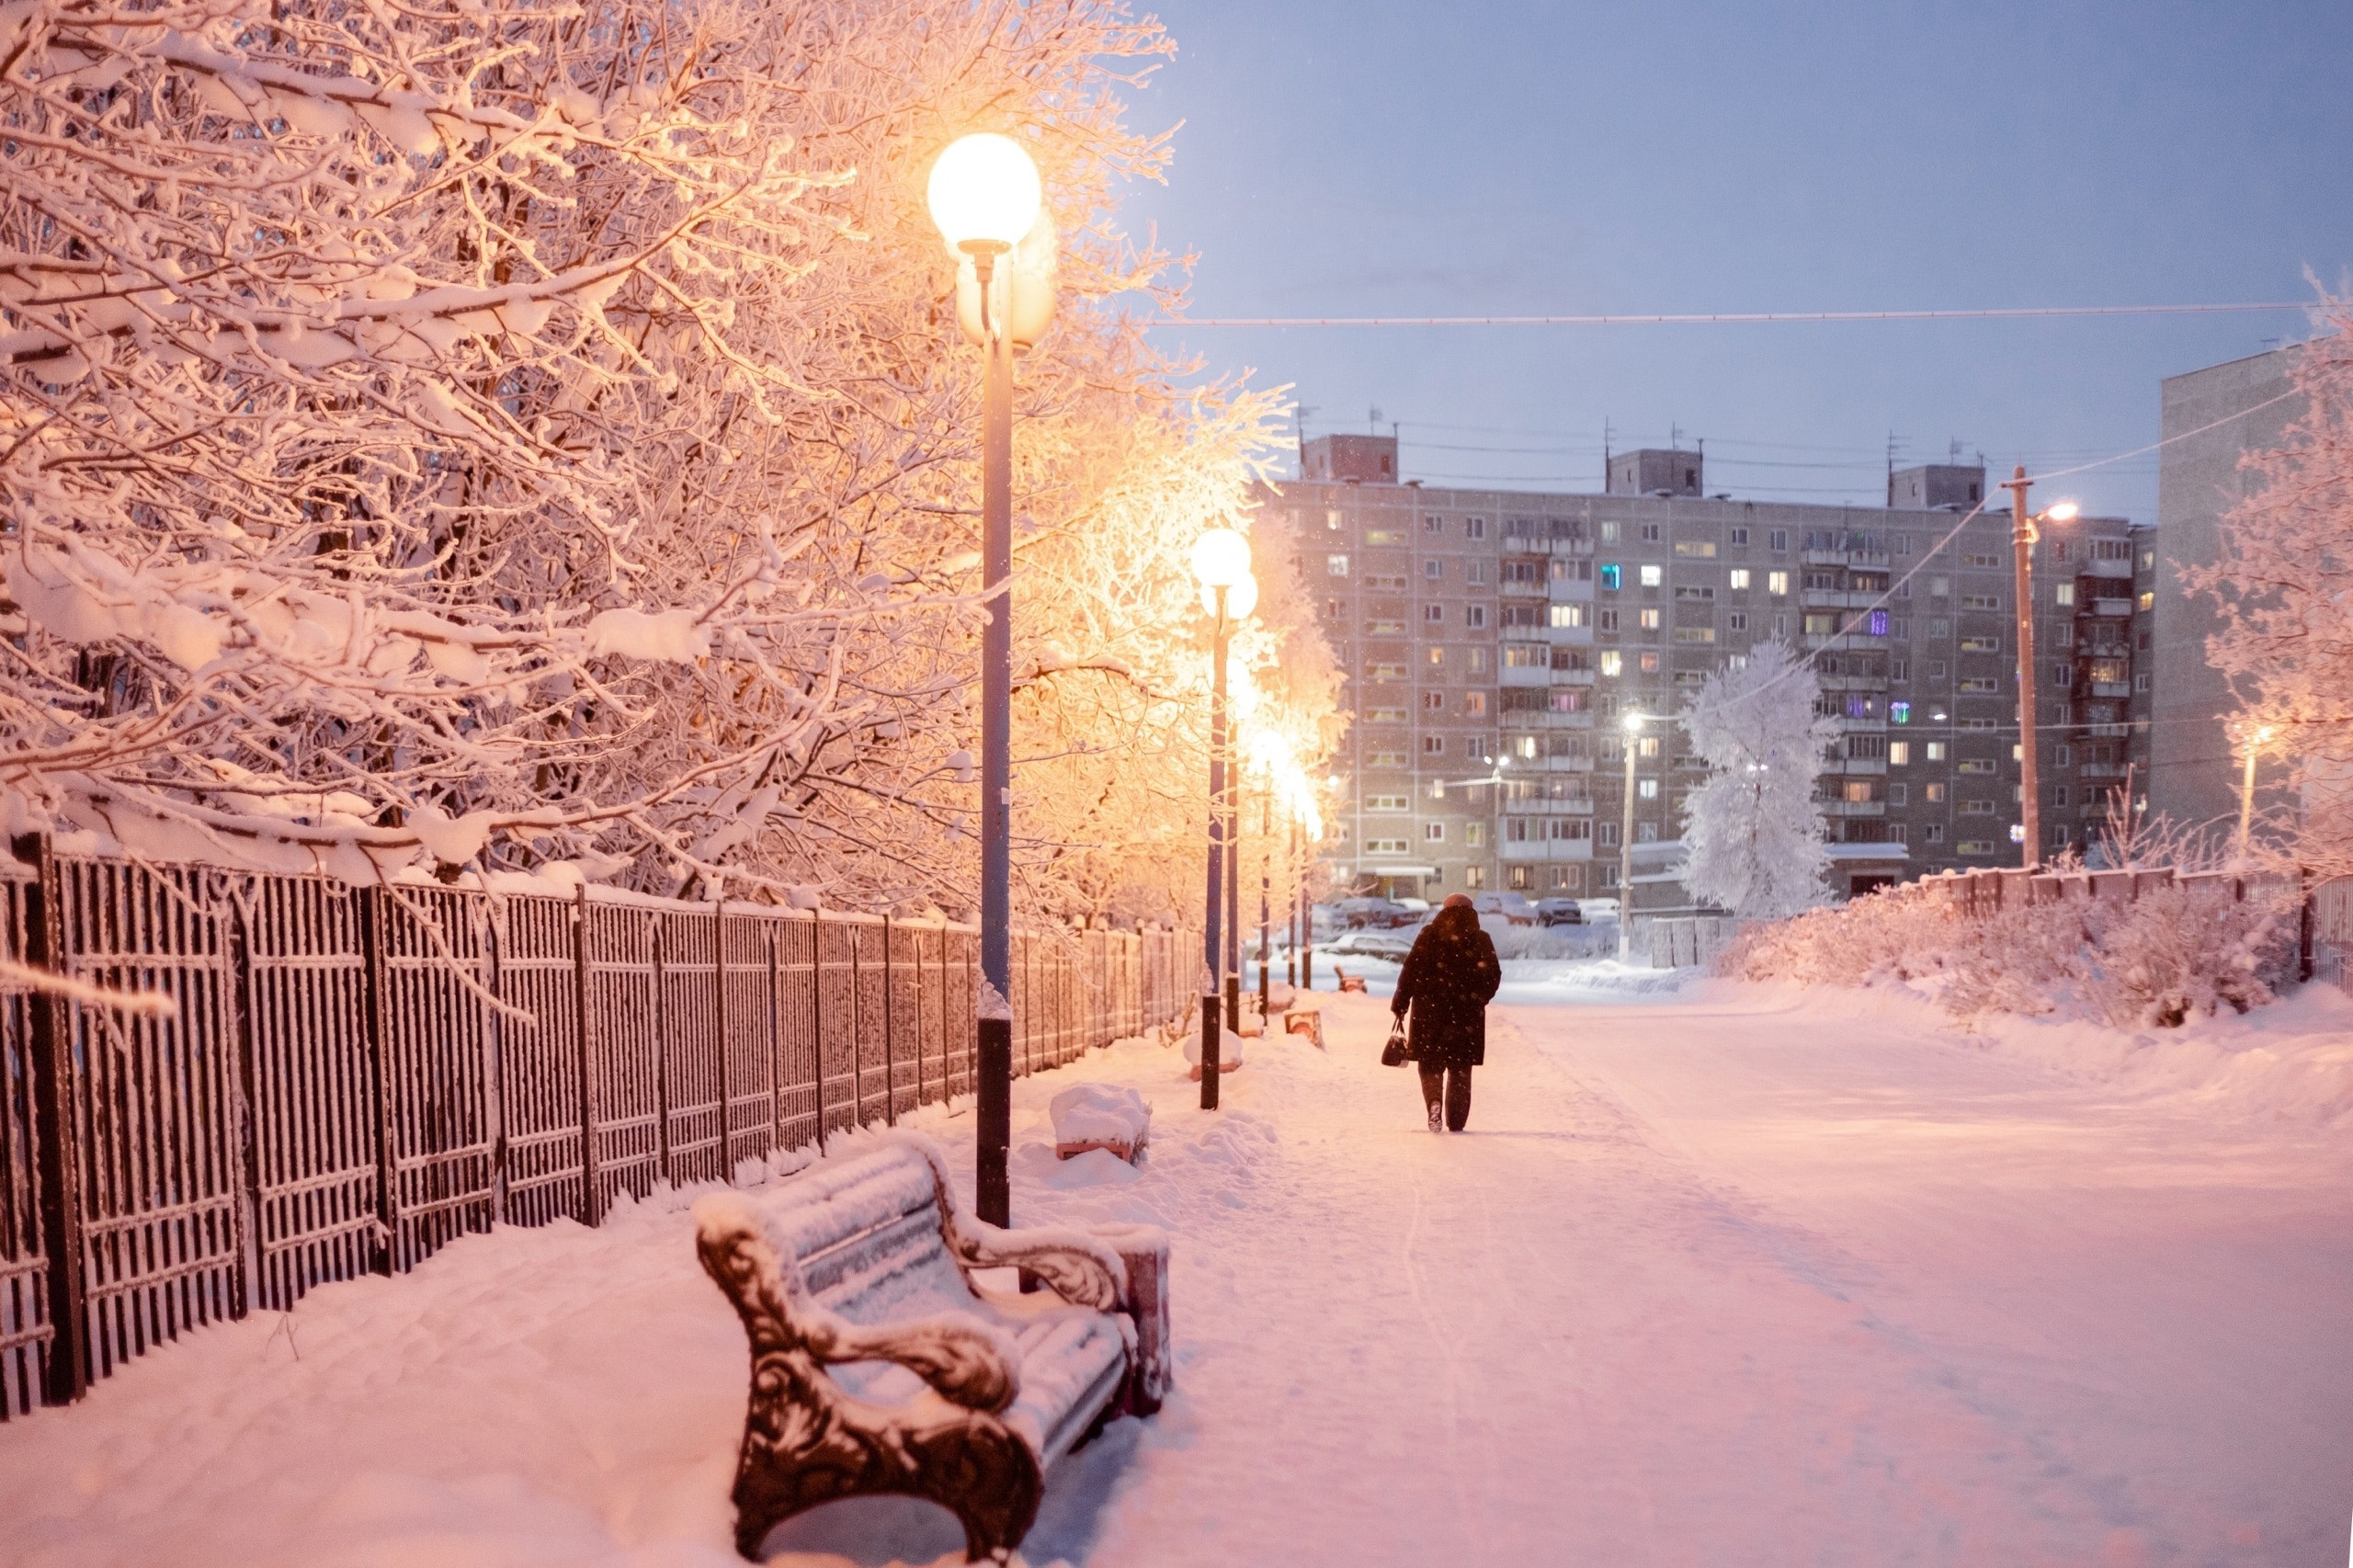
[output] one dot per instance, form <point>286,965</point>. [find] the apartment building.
<point>1493,640</point>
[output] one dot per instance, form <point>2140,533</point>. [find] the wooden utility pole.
<point>2022,537</point>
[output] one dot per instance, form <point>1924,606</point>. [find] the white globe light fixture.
<point>1220,557</point>
<point>2064,512</point>
<point>1633,722</point>
<point>985,193</point>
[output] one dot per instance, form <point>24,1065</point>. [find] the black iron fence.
<point>353,1076</point>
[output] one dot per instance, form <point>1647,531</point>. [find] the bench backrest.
<point>866,1235</point>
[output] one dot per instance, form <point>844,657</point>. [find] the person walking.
<point>1448,981</point>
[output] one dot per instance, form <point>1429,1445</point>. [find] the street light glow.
<point>2064,512</point>
<point>1633,722</point>
<point>984,192</point>
<point>1220,557</point>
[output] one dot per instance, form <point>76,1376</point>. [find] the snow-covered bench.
<point>854,1285</point>
<point>1100,1116</point>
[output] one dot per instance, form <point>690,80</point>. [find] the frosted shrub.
<point>2174,953</point>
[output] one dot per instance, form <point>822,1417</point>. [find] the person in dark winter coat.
<point>1448,979</point>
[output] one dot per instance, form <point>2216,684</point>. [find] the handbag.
<point>1393,1053</point>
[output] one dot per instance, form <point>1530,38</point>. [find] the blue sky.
<point>1383,158</point>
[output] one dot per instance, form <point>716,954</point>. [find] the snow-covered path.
<point>1722,1278</point>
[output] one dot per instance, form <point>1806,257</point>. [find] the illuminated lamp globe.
<point>1633,721</point>
<point>984,192</point>
<point>1243,597</point>
<point>2064,512</point>
<point>1220,557</point>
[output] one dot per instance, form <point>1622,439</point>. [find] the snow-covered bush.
<point>1752,831</point>
<point>2178,951</point>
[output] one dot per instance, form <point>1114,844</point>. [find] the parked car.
<point>1597,909</point>
<point>1377,914</point>
<point>1512,906</point>
<point>1558,912</point>
<point>1389,945</point>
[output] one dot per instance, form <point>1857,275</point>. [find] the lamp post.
<point>985,196</point>
<point>1633,727</point>
<point>1298,905</point>
<point>1234,884</point>
<point>1266,897</point>
<point>2254,739</point>
<point>2024,532</point>
<point>1221,562</point>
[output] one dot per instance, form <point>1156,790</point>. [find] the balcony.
<point>1859,767</point>
<point>1574,677</point>
<point>1580,807</point>
<point>1853,682</point>
<point>2102,770</point>
<point>2111,732</point>
<point>1845,642</point>
<point>1525,675</point>
<point>1844,558</point>
<point>2111,689</point>
<point>2108,569</point>
<point>1839,598</point>
<point>1552,850</point>
<point>1557,764</point>
<point>2114,607</point>
<point>1854,808</point>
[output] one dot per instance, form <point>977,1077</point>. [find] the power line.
<point>2020,312</point>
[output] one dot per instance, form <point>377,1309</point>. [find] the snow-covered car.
<point>1510,906</point>
<point>1386,945</point>
<point>1597,909</point>
<point>1375,914</point>
<point>1558,912</point>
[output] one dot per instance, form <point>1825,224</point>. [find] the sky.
<point>1372,157</point>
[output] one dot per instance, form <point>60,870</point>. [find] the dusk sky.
<point>1372,157</point>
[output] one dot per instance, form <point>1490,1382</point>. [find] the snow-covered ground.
<point>1720,1275</point>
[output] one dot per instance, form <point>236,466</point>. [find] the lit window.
<point>1569,616</point>
<point>1647,789</point>
<point>1654,575</point>
<point>1474,703</point>
<point>1899,753</point>
<point>1437,657</point>
<point>1776,583</point>
<point>1335,565</point>
<point>1524,747</point>
<point>1901,712</point>
<point>1610,577</point>
<point>1649,746</point>
<point>2064,594</point>
<point>1474,834</point>
<point>1935,751</point>
<point>2149,600</point>
<point>1613,662</point>
<point>1740,573</point>
<point>1650,620</point>
<point>1879,623</point>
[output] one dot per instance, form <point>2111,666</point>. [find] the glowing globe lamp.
<point>985,193</point>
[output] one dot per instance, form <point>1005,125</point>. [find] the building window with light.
<point>1613,662</point>
<point>1335,565</point>
<point>1900,712</point>
<point>1650,619</point>
<point>1611,575</point>
<point>1777,584</point>
<point>1654,575</point>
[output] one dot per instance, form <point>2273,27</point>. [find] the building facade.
<point>2211,418</point>
<point>1493,640</point>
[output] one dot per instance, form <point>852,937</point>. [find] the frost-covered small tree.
<point>1752,834</point>
<point>2284,586</point>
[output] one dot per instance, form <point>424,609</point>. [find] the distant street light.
<point>986,197</point>
<point>1633,723</point>
<point>2024,532</point>
<point>1221,562</point>
<point>2254,741</point>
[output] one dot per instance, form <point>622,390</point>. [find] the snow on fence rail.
<point>356,1075</point>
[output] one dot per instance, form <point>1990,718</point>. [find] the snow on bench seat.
<point>880,1366</point>
<point>1100,1116</point>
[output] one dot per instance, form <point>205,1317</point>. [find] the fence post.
<point>718,1018</point>
<point>591,1184</point>
<point>817,1015</point>
<point>661,1055</point>
<point>890,1047</point>
<point>65,1375</point>
<point>380,1077</point>
<point>493,1046</point>
<point>776,1043</point>
<point>248,1128</point>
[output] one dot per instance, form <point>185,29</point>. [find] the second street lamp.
<point>1633,727</point>
<point>2024,533</point>
<point>1221,562</point>
<point>985,196</point>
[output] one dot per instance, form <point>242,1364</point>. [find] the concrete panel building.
<point>2211,418</point>
<point>1492,639</point>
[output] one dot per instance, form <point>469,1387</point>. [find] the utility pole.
<point>1266,899</point>
<point>2022,537</point>
<point>1633,725</point>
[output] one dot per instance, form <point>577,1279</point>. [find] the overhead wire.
<point>2016,312</point>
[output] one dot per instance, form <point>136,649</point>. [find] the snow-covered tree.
<point>487,434</point>
<point>1752,833</point>
<point>2284,585</point>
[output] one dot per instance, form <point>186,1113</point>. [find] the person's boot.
<point>1438,1116</point>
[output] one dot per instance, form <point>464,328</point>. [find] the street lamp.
<point>986,197</point>
<point>2255,740</point>
<point>1633,727</point>
<point>2024,532</point>
<point>1221,562</point>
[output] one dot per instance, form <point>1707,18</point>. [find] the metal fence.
<point>354,1077</point>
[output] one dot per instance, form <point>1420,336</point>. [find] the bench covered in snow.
<point>1100,1116</point>
<point>854,1285</point>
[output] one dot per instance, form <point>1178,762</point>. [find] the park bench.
<point>1308,1021</point>
<point>855,1282</point>
<point>1348,982</point>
